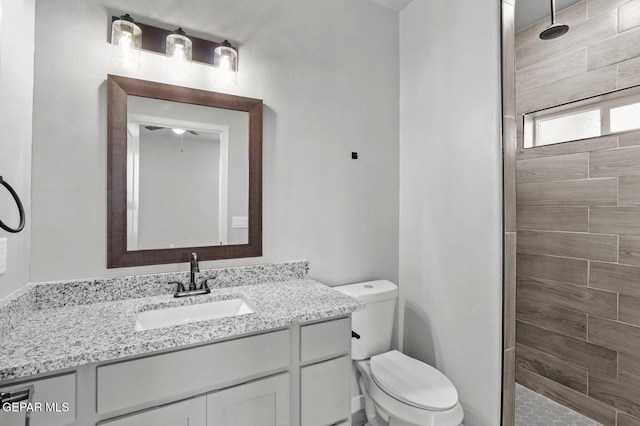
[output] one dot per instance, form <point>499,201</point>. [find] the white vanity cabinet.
<point>191,412</point>
<point>53,402</point>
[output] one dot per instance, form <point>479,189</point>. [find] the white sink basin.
<point>168,317</point>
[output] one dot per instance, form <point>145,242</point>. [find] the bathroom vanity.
<point>288,363</point>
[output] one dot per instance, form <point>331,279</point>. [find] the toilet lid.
<point>413,382</point>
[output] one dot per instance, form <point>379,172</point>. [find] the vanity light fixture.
<point>179,53</point>
<point>126,42</point>
<point>225,65</point>
<point>178,131</point>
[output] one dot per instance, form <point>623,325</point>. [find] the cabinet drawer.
<point>326,392</point>
<point>183,372</point>
<point>192,412</point>
<point>325,339</point>
<point>57,396</point>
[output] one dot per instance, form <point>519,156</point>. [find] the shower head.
<point>554,30</point>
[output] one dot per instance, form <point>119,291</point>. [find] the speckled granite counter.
<point>59,335</point>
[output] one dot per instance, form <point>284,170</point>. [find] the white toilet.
<point>398,390</point>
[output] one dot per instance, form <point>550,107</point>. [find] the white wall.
<point>16,104</point>
<point>328,74</point>
<point>450,196</point>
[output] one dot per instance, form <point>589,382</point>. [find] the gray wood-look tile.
<point>615,49</point>
<point>567,90</point>
<point>568,397</point>
<point>572,219</point>
<point>509,302</point>
<point>561,167</point>
<point>629,252</point>
<point>568,244</point>
<point>616,393</point>
<point>629,191</point>
<point>628,368</point>
<point>568,296</point>
<point>571,16</point>
<point>591,192</point>
<point>627,420</point>
<point>629,309</point>
<point>563,321</point>
<point>585,354</point>
<point>584,145</point>
<point>509,140</point>
<point>549,366</point>
<point>629,73</point>
<point>614,335</point>
<point>596,7</point>
<point>509,387</point>
<point>628,15</point>
<point>581,34</point>
<point>615,220</point>
<point>630,138</point>
<point>556,68</point>
<point>619,278</point>
<point>571,271</point>
<point>615,162</point>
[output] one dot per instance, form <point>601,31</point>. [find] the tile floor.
<point>533,409</point>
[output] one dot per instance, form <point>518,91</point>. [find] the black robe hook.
<point>20,209</point>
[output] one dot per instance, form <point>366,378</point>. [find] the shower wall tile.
<point>584,145</point>
<point>631,138</point>
<point>578,333</point>
<point>615,335</point>
<point>627,420</point>
<point>564,372</point>
<point>509,134</point>
<point>629,191</point>
<point>573,271</point>
<point>570,219</point>
<point>616,49</point>
<point>586,354</point>
<point>563,321</point>
<point>567,90</point>
<point>580,35</point>
<point>553,69</point>
<point>509,313</point>
<point>569,244</point>
<point>629,16</point>
<point>615,162</point>
<point>614,277</point>
<point>561,167</point>
<point>615,220</point>
<point>568,397</point>
<point>568,296</point>
<point>571,16</point>
<point>584,192</point>
<point>508,387</point>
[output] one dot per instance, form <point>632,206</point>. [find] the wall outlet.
<point>240,222</point>
<point>3,255</point>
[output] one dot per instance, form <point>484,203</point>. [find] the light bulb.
<point>178,131</point>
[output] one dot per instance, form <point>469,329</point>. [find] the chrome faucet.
<point>194,268</point>
<point>193,288</point>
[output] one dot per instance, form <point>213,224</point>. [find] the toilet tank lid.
<point>370,291</point>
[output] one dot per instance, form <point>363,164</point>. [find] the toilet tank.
<point>374,324</point>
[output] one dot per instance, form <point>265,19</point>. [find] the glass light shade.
<point>126,42</point>
<point>225,65</point>
<point>179,53</point>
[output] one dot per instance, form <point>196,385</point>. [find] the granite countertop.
<point>61,337</point>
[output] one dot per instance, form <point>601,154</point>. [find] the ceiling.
<point>394,4</point>
<point>531,11</point>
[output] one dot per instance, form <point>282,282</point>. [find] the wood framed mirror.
<point>184,174</point>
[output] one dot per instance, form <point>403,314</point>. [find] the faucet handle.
<point>205,283</point>
<point>180,286</point>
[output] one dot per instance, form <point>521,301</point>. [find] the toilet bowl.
<point>398,390</point>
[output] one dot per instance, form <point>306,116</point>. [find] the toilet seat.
<point>413,382</point>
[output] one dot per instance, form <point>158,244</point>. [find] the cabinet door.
<point>264,402</point>
<point>191,412</point>
<point>326,392</point>
<point>52,402</point>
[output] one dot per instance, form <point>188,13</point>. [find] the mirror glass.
<point>187,175</point>
<point>184,174</point>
